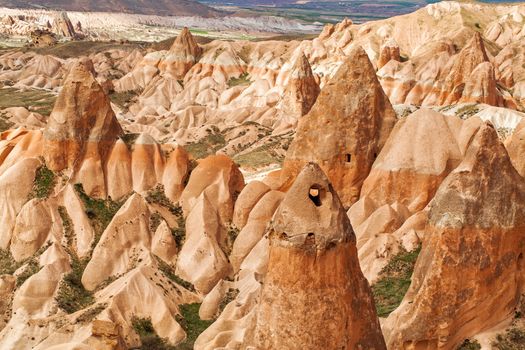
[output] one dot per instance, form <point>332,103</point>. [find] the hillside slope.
<point>147,7</point>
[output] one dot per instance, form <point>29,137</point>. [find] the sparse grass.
<point>31,268</point>
<point>467,111</point>
<point>5,124</point>
<point>148,337</point>
<point>69,233</point>
<point>394,281</point>
<point>90,314</point>
<point>259,157</point>
<point>230,296</point>
<point>44,183</point>
<point>40,101</point>
<point>100,212</point>
<point>208,145</point>
<point>470,345</point>
<point>154,221</point>
<point>8,265</point>
<point>124,99</point>
<point>243,79</point>
<point>158,196</point>
<point>169,272</point>
<point>192,324</point>
<point>72,296</point>
<point>514,339</point>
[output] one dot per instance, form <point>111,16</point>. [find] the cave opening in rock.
<point>348,157</point>
<point>315,195</point>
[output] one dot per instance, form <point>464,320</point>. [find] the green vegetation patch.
<point>243,79</point>
<point>467,111</point>
<point>169,272</point>
<point>44,183</point>
<point>192,324</point>
<point>36,100</point>
<point>260,157</point>
<point>5,124</point>
<point>514,339</point>
<point>31,268</point>
<point>470,345</point>
<point>72,296</point>
<point>148,337</point>
<point>99,211</point>
<point>90,314</point>
<point>8,265</point>
<point>208,145</point>
<point>394,281</point>
<point>230,296</point>
<point>124,99</point>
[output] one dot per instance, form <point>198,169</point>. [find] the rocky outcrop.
<point>345,129</point>
<point>299,95</point>
<point>82,125</point>
<point>481,87</point>
<point>314,294</point>
<point>404,179</point>
<point>183,54</point>
<point>208,201</point>
<point>461,70</point>
<point>469,275</point>
<point>62,26</point>
<point>389,51</point>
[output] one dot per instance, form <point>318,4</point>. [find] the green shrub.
<point>208,145</point>
<point>514,339</point>
<point>158,196</point>
<point>69,233</point>
<point>470,345</point>
<point>44,183</point>
<point>243,79</point>
<point>8,265</point>
<point>72,296</point>
<point>394,281</point>
<point>31,268</point>
<point>148,337</point>
<point>191,323</point>
<point>170,274</point>
<point>100,212</point>
<point>230,296</point>
<point>90,314</point>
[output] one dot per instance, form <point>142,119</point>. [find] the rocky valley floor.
<point>358,189</point>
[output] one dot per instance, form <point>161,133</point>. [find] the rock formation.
<point>82,125</point>
<point>183,54</point>
<point>300,93</point>
<point>207,202</point>
<point>345,129</point>
<point>389,51</point>
<point>62,26</point>
<point>469,275</point>
<point>314,295</point>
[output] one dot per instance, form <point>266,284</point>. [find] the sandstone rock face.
<point>516,148</point>
<point>314,295</point>
<point>62,26</point>
<point>82,124</point>
<point>481,87</point>
<point>464,65</point>
<point>390,51</point>
<point>404,179</point>
<point>300,93</point>
<point>208,201</point>
<point>469,275</point>
<point>345,129</point>
<point>183,54</point>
